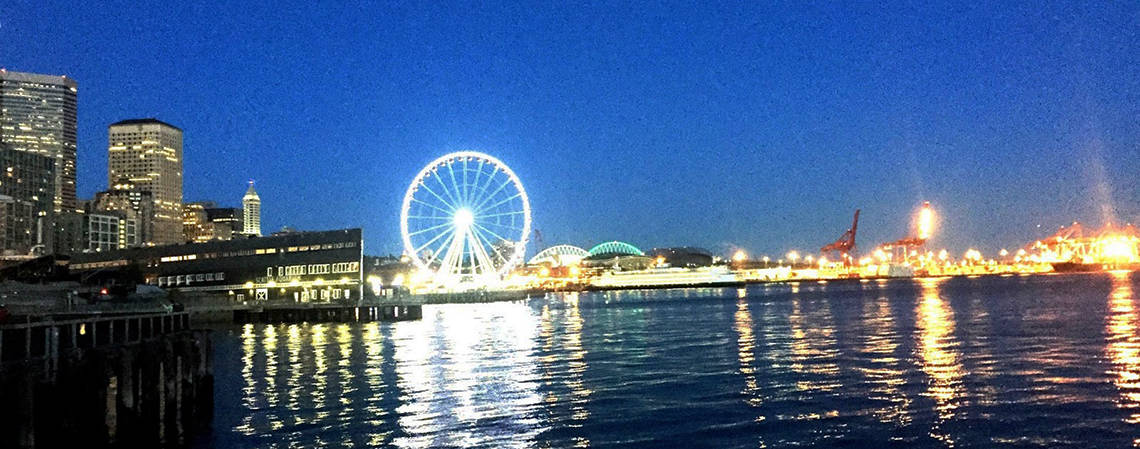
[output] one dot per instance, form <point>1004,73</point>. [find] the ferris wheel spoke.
<point>475,182</point>
<point>421,231</point>
<point>447,265</point>
<point>446,191</point>
<point>493,233</point>
<point>488,198</point>
<point>465,190</point>
<point>493,247</point>
<point>490,179</point>
<point>425,203</point>
<point>455,254</point>
<point>472,243</point>
<point>440,198</point>
<point>429,242</point>
<point>484,196</point>
<point>501,202</point>
<point>502,214</point>
<point>484,259</point>
<point>436,252</point>
<point>455,185</point>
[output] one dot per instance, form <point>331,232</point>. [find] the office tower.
<point>251,212</point>
<point>27,185</point>
<point>204,221</point>
<point>135,205</point>
<point>148,153</point>
<point>37,115</point>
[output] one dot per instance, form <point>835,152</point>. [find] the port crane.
<point>845,245</point>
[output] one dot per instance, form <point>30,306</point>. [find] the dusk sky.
<point>754,125</point>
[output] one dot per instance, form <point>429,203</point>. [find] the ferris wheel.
<point>465,217</point>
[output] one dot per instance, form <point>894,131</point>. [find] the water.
<point>1022,361</point>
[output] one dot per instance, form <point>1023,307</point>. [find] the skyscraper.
<point>148,153</point>
<point>37,115</point>
<point>251,212</point>
<point>27,181</point>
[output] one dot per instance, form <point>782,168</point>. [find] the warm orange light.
<point>925,221</point>
<point>739,256</point>
<point>1119,248</point>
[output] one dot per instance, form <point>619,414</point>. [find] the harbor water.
<point>1017,361</point>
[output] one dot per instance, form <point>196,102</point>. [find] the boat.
<point>1076,267</point>
<point>1079,267</point>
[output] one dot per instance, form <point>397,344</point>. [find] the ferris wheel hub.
<point>464,218</point>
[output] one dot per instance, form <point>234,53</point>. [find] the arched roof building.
<point>559,255</point>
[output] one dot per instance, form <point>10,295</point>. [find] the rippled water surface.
<point>1041,361</point>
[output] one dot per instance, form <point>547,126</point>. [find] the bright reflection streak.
<point>345,375</point>
<point>576,359</point>
<point>467,377</point>
<point>250,392</point>
<point>885,372</point>
<point>295,386</point>
<point>814,351</point>
<point>320,375</point>
<point>1124,345</point>
<point>564,359</point>
<point>939,352</point>
<point>374,377</point>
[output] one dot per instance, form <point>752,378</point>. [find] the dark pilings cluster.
<point>144,392</point>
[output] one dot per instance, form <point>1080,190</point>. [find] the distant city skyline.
<point>754,126</point>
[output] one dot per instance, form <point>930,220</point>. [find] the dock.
<point>130,380</point>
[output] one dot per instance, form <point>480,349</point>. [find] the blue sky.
<point>751,124</point>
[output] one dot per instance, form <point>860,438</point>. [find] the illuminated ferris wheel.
<point>465,218</point>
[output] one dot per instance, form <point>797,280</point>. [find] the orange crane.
<point>845,245</point>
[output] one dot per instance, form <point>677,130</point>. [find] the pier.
<point>132,380</point>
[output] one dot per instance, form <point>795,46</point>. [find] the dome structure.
<point>559,255</point>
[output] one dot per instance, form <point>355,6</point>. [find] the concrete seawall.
<point>77,383</point>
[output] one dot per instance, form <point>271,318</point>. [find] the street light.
<point>792,256</point>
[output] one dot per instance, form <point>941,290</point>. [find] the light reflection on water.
<point>1124,346</point>
<point>940,358</point>
<point>1030,361</point>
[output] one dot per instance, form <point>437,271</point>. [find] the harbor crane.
<point>845,245</point>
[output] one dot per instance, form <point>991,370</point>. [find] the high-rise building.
<point>226,222</point>
<point>204,221</point>
<point>195,226</point>
<point>136,205</point>
<point>37,115</point>
<point>148,152</point>
<point>27,183</point>
<point>108,230</point>
<point>251,212</point>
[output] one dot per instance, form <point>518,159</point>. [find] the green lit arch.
<point>615,248</point>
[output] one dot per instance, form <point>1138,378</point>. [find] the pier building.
<point>302,267</point>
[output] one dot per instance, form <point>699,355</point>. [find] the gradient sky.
<point>729,124</point>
